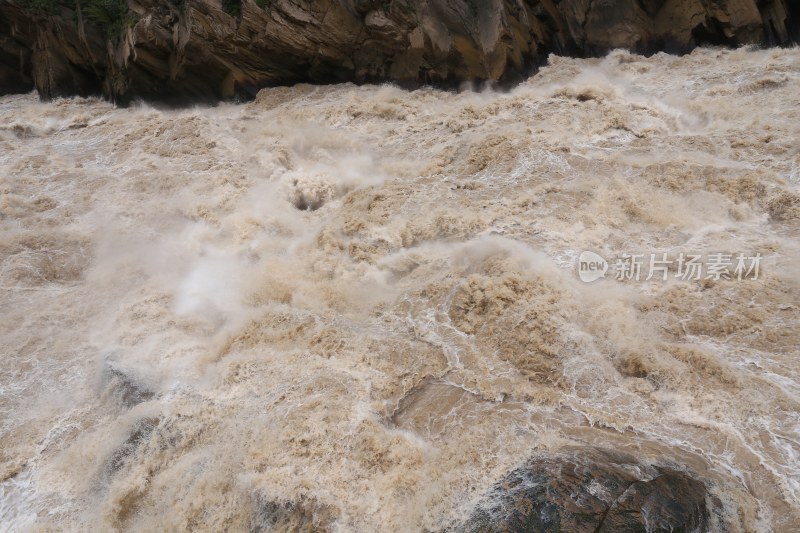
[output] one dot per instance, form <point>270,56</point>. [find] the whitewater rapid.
<point>357,308</point>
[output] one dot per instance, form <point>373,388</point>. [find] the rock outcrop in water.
<point>211,49</point>
<point>594,491</point>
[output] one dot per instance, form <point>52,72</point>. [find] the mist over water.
<point>357,308</point>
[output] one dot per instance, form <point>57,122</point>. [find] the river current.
<point>357,308</point>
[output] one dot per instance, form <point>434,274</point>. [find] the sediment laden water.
<point>357,308</point>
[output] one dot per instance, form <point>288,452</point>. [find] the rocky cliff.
<point>210,49</point>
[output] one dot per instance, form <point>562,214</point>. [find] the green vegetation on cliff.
<point>39,6</point>
<point>232,7</point>
<point>111,17</point>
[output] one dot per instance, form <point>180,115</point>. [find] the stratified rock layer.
<point>217,49</point>
<point>590,491</point>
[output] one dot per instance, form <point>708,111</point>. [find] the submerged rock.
<point>591,490</point>
<point>125,389</point>
<point>301,516</point>
<point>216,49</point>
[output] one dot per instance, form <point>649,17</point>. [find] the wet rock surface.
<point>594,490</point>
<point>196,50</point>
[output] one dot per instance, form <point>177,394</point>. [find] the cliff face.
<point>211,49</point>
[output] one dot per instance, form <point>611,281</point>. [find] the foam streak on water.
<point>356,308</point>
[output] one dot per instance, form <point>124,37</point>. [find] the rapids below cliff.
<point>357,308</point>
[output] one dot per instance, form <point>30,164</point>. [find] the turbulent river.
<point>358,308</point>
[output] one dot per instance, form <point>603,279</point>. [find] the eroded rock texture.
<point>211,49</point>
<point>591,491</point>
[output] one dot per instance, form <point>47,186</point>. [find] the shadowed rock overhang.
<point>206,50</point>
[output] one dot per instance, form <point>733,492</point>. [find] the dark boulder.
<point>592,490</point>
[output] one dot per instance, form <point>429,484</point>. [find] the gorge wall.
<point>217,49</point>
